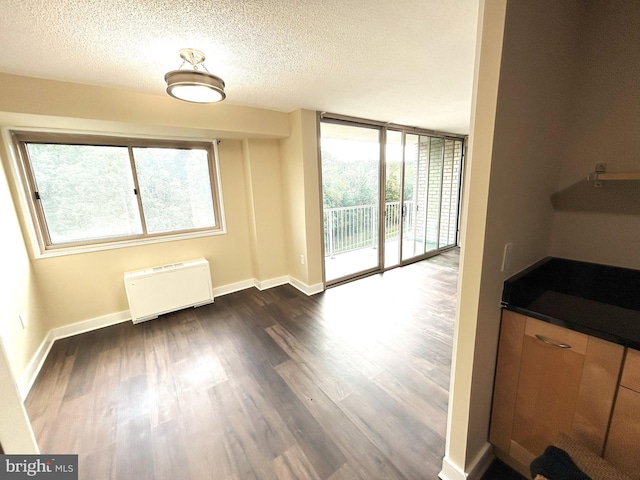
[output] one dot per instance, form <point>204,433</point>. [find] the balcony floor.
<point>363,259</point>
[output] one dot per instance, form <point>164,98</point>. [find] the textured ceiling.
<point>401,61</point>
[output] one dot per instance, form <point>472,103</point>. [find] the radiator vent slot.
<point>167,288</point>
<point>163,268</point>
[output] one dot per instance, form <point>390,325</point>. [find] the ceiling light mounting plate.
<point>194,84</point>
<point>192,56</point>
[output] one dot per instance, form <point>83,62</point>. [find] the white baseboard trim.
<point>450,471</point>
<point>232,287</point>
<point>91,324</point>
<point>25,382</point>
<point>477,467</point>
<point>33,368</point>
<point>266,284</point>
<point>480,464</point>
<point>306,289</point>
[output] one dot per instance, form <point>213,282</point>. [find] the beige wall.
<point>19,289</point>
<point>459,456</point>
<point>556,96</point>
<point>19,295</point>
<point>59,291</point>
<point>266,208</point>
<point>519,122</point>
<point>89,285</point>
<point>544,109</point>
<point>312,199</point>
<point>531,117</point>
<point>602,225</point>
<point>159,113</point>
<point>300,172</point>
<point>16,435</point>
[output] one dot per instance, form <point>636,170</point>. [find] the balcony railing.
<point>351,228</point>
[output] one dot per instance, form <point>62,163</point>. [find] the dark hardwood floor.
<point>348,384</point>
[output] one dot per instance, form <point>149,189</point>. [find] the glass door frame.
<point>384,128</point>
<point>381,142</point>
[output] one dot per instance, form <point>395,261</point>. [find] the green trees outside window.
<point>89,190</point>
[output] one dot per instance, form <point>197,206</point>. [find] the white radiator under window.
<point>157,290</point>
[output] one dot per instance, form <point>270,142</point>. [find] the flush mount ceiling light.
<point>194,85</point>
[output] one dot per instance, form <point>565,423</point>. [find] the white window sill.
<point>74,250</point>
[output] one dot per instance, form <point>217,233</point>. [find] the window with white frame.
<point>94,190</point>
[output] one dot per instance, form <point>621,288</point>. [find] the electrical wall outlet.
<point>302,259</point>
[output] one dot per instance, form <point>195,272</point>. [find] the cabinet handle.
<point>548,341</point>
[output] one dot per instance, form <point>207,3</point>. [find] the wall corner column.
<point>303,208</point>
<point>467,452</point>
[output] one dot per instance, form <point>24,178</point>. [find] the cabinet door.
<point>506,381</point>
<point>550,375</point>
<point>631,374</point>
<point>550,380</point>
<point>623,442</point>
<point>598,386</point>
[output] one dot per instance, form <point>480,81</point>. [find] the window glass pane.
<point>87,192</point>
<point>175,188</point>
<point>436,155</point>
<point>455,201</point>
<point>351,198</point>
<point>411,207</point>
<point>392,209</point>
<point>450,185</point>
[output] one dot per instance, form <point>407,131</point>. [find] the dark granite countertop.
<point>598,300</point>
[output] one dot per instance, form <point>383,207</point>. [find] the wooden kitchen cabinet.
<point>623,442</point>
<point>550,380</point>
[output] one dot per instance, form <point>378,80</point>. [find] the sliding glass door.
<point>450,193</point>
<point>431,195</point>
<point>350,199</point>
<point>394,211</point>
<point>415,225</point>
<point>386,183</point>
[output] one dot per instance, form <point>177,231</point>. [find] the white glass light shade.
<point>192,86</point>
